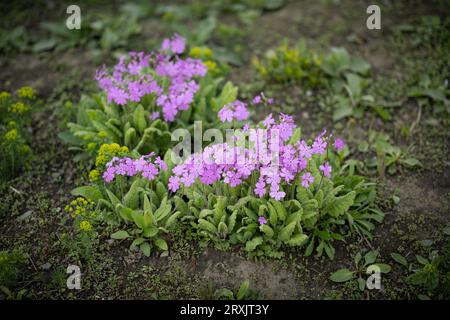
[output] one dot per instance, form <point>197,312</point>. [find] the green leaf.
<point>252,244</point>
<point>138,218</point>
<point>359,65</point>
<point>131,199</point>
<point>361,284</point>
<point>222,228</point>
<point>399,258</point>
<point>341,204</point>
<point>297,240</point>
<point>280,210</point>
<point>162,212</point>
<point>342,275</point>
<point>150,232</point>
<point>114,200</point>
<point>44,45</point>
<point>273,217</point>
<point>88,192</point>
<point>286,232</point>
<point>130,137</point>
<point>124,212</point>
<point>370,257</point>
<point>161,191</point>
<point>161,244</point>
<point>267,230</point>
<point>422,260</point>
<point>139,118</point>
<point>181,205</point>
<point>295,136</point>
<point>136,242</point>
<point>208,226</point>
<point>411,162</point>
<point>242,290</point>
<point>172,219</point>
<point>384,268</point>
<point>120,235</point>
<point>329,250</point>
<point>148,218</point>
<point>342,111</point>
<point>145,248</point>
<point>310,248</point>
<point>232,221</point>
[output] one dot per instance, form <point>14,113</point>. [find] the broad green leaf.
<point>88,192</point>
<point>297,240</point>
<point>268,231</point>
<point>120,235</point>
<point>161,244</point>
<point>342,275</point>
<point>399,258</point>
<point>138,218</point>
<point>252,244</point>
<point>273,217</point>
<point>114,200</point>
<point>286,232</point>
<point>208,226</point>
<point>280,210</point>
<point>341,204</point>
<point>384,268</point>
<point>242,290</point>
<point>370,257</point>
<point>162,212</point>
<point>145,248</point>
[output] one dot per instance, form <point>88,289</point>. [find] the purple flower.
<point>165,44</point>
<point>178,44</point>
<point>240,111</point>
<point>234,165</point>
<point>338,144</point>
<point>260,188</point>
<point>307,179</point>
<point>154,115</point>
<point>108,175</point>
<point>174,183</point>
<point>162,165</point>
<point>235,110</point>
<point>174,85</point>
<point>257,99</point>
<point>319,146</point>
<point>326,169</point>
<point>150,171</point>
<point>226,114</point>
<point>118,95</point>
<point>268,121</point>
<point>262,220</point>
<point>277,195</point>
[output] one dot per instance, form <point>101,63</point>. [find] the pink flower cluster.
<point>270,158</point>
<point>128,81</point>
<point>236,110</point>
<point>165,75</point>
<point>176,44</point>
<point>130,167</point>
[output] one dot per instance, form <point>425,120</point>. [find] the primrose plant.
<point>273,190</point>
<point>144,97</point>
<point>131,195</point>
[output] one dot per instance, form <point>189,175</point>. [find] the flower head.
<point>338,144</point>
<point>262,220</point>
<point>307,179</point>
<point>326,169</point>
